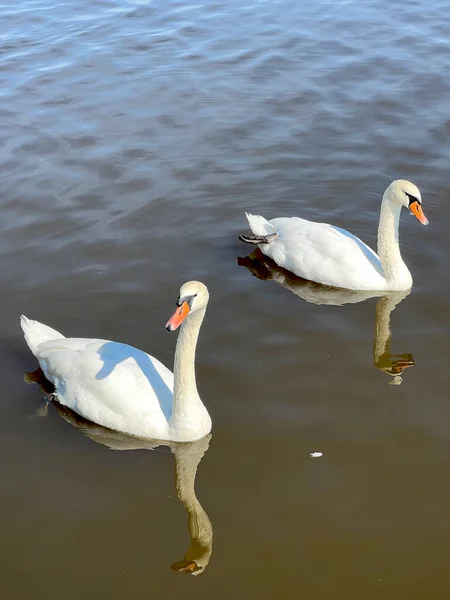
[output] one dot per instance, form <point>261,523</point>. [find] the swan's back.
<point>324,253</point>
<point>109,383</point>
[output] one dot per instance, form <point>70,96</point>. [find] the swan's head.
<point>193,296</point>
<point>407,194</point>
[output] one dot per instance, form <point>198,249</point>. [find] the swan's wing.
<point>112,384</point>
<point>324,253</point>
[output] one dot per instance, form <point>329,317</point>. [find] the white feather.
<point>35,333</point>
<point>259,225</point>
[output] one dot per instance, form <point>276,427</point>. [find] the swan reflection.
<point>392,364</point>
<point>187,457</point>
<point>383,359</point>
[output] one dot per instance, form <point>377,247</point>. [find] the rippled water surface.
<point>134,135</point>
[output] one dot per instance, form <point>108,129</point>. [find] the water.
<point>134,135</point>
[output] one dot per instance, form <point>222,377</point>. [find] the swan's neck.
<point>185,394</point>
<point>395,271</point>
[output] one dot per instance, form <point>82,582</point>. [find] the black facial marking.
<point>187,299</point>
<point>413,199</point>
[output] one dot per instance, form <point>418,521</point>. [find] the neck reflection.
<point>187,456</point>
<point>393,365</point>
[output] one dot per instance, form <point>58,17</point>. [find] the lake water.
<point>134,135</point>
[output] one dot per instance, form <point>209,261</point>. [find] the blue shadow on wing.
<point>113,353</point>
<point>371,256</point>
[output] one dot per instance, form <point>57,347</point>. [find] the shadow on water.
<point>393,365</point>
<point>187,457</point>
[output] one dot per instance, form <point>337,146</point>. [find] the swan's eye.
<point>412,199</point>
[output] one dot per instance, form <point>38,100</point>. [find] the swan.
<point>122,388</point>
<point>332,256</point>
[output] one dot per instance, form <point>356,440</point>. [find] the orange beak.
<point>178,317</point>
<point>417,211</point>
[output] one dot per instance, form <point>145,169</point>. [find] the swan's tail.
<point>263,231</point>
<point>35,333</point>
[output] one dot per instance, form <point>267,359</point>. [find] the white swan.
<point>123,388</point>
<point>332,256</point>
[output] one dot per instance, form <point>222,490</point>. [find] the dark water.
<point>134,135</point>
